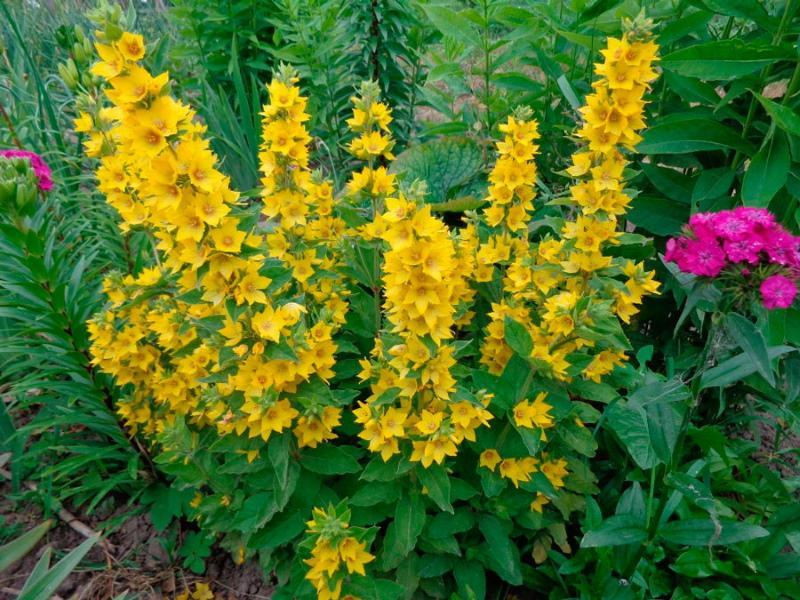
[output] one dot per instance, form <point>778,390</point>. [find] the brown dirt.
<point>137,564</point>
<point>781,457</point>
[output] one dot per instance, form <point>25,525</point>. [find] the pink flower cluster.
<point>742,236</point>
<point>40,168</point>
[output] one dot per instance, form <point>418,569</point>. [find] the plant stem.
<point>486,67</point>
<point>11,128</point>
<point>789,10</point>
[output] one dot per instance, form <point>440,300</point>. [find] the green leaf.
<point>256,510</point>
<point>563,84</point>
<point>45,587</point>
<point>704,532</point>
<point>502,555</point>
<point>376,492</point>
<point>166,502</point>
<point>452,24</point>
<point>737,368</point>
<point>329,460</point>
<point>629,422</point>
<point>695,491</point>
<point>370,588</point>
<point>516,81</point>
<point>279,531</point>
<point>750,339</point>
<point>437,482</point>
<point>752,10</point>
<point>278,451</point>
<point>695,562</point>
<point>783,116</point>
<point>471,580</point>
<point>723,59</point>
<point>712,184</point>
<point>670,182</point>
<point>444,164</point>
<point>691,134</point>
<point>767,172</point>
<point>517,337</point>
<point>444,524</point>
<point>379,470</point>
<point>663,424</point>
<point>615,531</point>
<point>402,533</point>
<point>19,547</point>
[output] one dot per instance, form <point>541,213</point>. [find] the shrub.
<point>257,356</point>
<point>231,348</point>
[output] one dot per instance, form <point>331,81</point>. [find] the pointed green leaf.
<point>767,172</point>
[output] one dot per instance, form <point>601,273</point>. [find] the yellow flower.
<point>534,414</point>
<point>489,459</point>
<point>354,555</point>
<point>555,471</point>
<point>131,46</point>
<point>227,237</point>
<point>539,502</point>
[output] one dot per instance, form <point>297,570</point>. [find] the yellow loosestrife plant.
<point>429,386</point>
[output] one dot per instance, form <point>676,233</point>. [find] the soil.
<point>782,457</point>
<point>136,563</point>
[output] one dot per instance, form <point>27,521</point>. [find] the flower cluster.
<point>370,122</point>
<point>511,182</point>
<point>336,550</point>
<point>42,172</point>
<point>557,289</point>
<point>233,322</point>
<point>413,387</point>
<point>372,144</point>
<point>745,243</point>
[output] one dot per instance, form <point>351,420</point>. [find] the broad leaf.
<point>751,340</point>
<point>615,531</point>
<point>784,117</point>
<point>329,460</point>
<point>502,556</point>
<point>767,172</point>
<point>737,368</point>
<point>691,134</point>
<point>452,24</point>
<point>445,165</point>
<point>402,533</point>
<point>723,59</point>
<point>437,483</point>
<point>705,532</point>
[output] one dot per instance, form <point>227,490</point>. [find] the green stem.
<point>793,83</point>
<point>651,496</point>
<point>486,68</point>
<point>789,10</point>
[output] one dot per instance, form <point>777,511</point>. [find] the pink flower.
<point>702,257</point>
<point>703,225</point>
<point>40,168</point>
<point>781,247</point>
<point>731,226</point>
<point>778,291</point>
<point>744,250</point>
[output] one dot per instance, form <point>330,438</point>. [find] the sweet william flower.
<point>702,257</point>
<point>778,291</point>
<point>40,168</point>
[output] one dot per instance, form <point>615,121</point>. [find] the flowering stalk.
<point>560,287</point>
<point>336,550</point>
